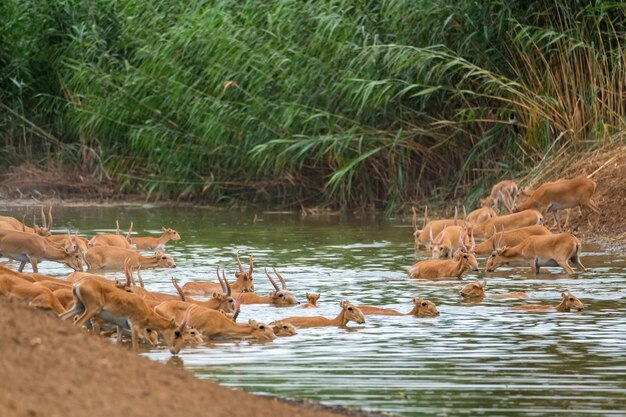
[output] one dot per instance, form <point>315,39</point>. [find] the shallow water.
<point>474,359</point>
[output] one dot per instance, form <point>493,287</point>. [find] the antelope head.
<point>164,260</point>
<point>467,255</point>
<point>474,289</point>
<point>497,257</point>
<point>175,334</point>
<point>281,329</point>
<point>44,230</point>
<point>74,256</point>
<point>226,301</point>
<point>245,277</point>
<point>173,234</point>
<point>570,302</point>
<point>352,312</point>
<point>424,308</point>
<point>437,246</point>
<point>261,331</point>
<point>281,297</point>
<point>312,298</point>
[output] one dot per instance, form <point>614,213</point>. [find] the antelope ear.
<point>484,284</point>
<point>417,300</point>
<point>563,295</point>
<point>172,322</point>
<point>307,295</point>
<point>271,293</point>
<point>215,294</point>
<point>164,229</point>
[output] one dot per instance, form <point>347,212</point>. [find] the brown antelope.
<point>476,290</point>
<point>282,329</point>
<point>155,243</point>
<point>349,312</point>
<point>447,242</point>
<point>432,228</point>
<point>311,300</point>
<point>510,237</point>
<point>504,192</point>
<point>423,308</point>
<point>547,250</point>
<point>11,223</point>
<point>437,268</point>
<point>562,194</point>
<point>62,240</point>
<point>113,258</point>
<point>220,300</point>
<point>29,247</point>
<point>480,215</point>
<point>212,323</point>
<point>93,297</point>
<point>116,240</point>
<point>13,286</point>
<point>568,302</point>
<point>508,222</point>
<point>279,298</point>
<point>243,283</point>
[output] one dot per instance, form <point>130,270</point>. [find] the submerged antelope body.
<point>349,312</point>
<point>422,308</point>
<point>568,303</point>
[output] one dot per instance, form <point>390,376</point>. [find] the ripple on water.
<point>474,359</point>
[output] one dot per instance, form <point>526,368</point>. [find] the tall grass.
<point>347,103</point>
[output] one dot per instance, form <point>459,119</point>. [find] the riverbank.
<point>51,368</point>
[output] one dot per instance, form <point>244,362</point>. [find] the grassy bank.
<point>339,103</point>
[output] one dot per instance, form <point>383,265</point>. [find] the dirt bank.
<point>51,368</point>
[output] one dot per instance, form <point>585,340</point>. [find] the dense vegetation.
<point>347,103</point>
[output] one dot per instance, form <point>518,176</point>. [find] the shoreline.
<point>52,368</point>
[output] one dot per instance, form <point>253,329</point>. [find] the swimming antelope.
<point>349,312</point>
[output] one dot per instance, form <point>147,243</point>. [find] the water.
<point>474,359</point>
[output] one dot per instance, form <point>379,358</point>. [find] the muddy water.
<point>474,359</point>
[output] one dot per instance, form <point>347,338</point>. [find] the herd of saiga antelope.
<point>126,307</point>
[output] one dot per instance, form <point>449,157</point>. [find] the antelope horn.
<point>217,272</point>
<point>271,280</point>
<point>183,323</point>
<point>181,294</point>
<point>129,231</point>
<point>494,237</point>
<point>129,278</point>
<point>237,308</point>
<point>473,246</point>
<point>117,227</point>
<point>227,284</point>
<point>456,214</point>
<point>34,221</point>
<point>425,216</point>
<point>280,277</point>
<point>43,219</point>
<point>239,262</point>
<point>464,213</point>
<point>501,237</point>
<point>430,235</point>
<point>24,223</point>
<point>414,219</point>
<point>251,267</point>
<point>139,277</point>
<point>50,216</point>
<point>462,240</point>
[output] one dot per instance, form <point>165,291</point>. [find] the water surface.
<point>474,359</point>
